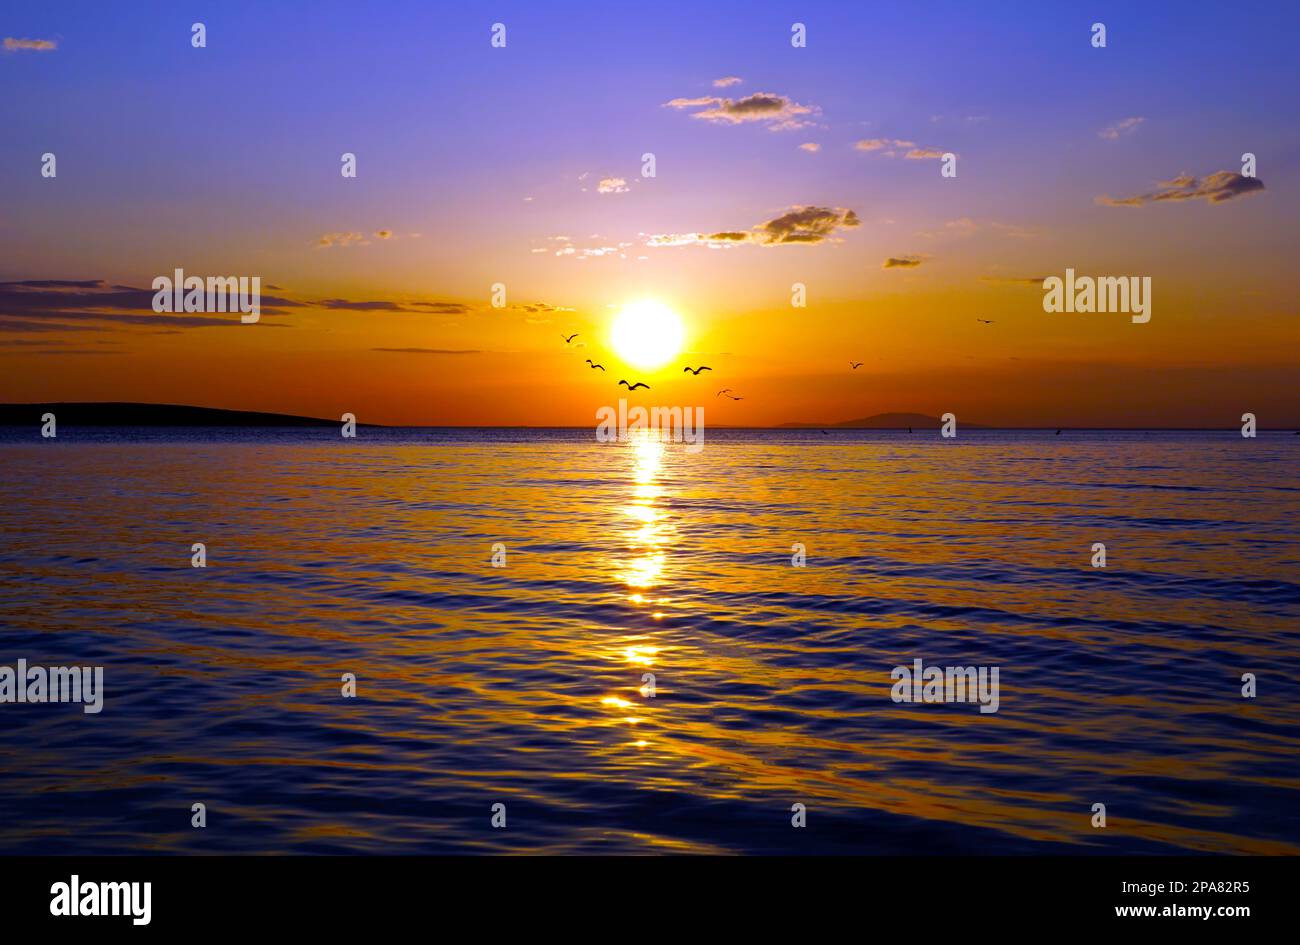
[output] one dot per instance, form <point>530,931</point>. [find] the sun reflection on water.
<point>650,535</point>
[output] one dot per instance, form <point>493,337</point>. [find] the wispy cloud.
<point>429,350</point>
<point>902,262</point>
<point>94,300</point>
<point>1219,187</point>
<point>30,45</point>
<point>60,304</point>
<point>568,248</point>
<point>802,224</point>
<point>727,81</point>
<point>326,240</point>
<point>812,146</point>
<point>612,185</point>
<point>893,147</point>
<point>1126,126</point>
<point>777,112</point>
<point>1035,281</point>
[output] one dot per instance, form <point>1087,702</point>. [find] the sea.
<point>456,641</point>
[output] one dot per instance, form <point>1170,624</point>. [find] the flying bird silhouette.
<point>634,386</point>
<point>725,390</point>
<point>594,366</point>
<point>702,367</point>
<point>986,321</point>
<point>855,364</point>
<point>570,338</point>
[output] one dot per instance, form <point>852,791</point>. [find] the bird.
<point>594,365</point>
<point>569,339</point>
<point>855,364</point>
<point>634,386</point>
<point>986,321</point>
<point>702,367</point>
<point>725,390</point>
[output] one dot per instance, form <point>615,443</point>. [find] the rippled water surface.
<point>522,685</point>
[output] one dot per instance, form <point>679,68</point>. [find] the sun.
<point>647,334</point>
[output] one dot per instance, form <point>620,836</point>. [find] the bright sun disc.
<point>647,334</point>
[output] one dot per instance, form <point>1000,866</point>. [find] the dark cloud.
<point>50,305</point>
<point>1036,281</point>
<point>442,308</point>
<point>902,262</point>
<point>59,284</point>
<point>778,112</point>
<point>1218,187</point>
<point>360,306</point>
<point>796,225</point>
<point>95,298</point>
<point>14,326</point>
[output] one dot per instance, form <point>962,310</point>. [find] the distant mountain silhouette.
<point>885,421</point>
<point>151,415</point>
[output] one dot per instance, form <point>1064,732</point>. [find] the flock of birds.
<point>694,371</point>
<point>726,391</point>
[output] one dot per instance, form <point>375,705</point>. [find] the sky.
<point>774,165</point>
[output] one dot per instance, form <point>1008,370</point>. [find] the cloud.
<point>361,306</point>
<point>891,147</point>
<point>30,45</point>
<point>72,351</point>
<point>429,350</point>
<point>80,300</point>
<point>383,234</point>
<point>778,112</point>
<point>902,262</point>
<point>394,306</point>
<point>806,225</point>
<point>439,308</point>
<point>59,304</point>
<point>326,240</point>
<point>14,326</point>
<point>541,307</point>
<point>612,185</point>
<point>877,144</point>
<point>726,81</point>
<point>1035,281</point>
<point>1218,187</point>
<point>568,249</point>
<point>811,146</point>
<point>799,224</point>
<point>390,305</point>
<point>1126,126</point>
